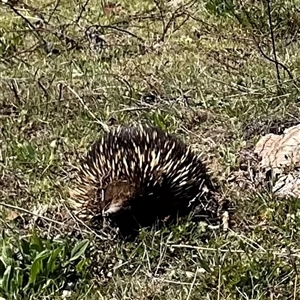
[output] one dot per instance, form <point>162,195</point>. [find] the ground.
<point>202,70</point>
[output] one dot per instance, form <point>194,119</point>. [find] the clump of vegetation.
<point>33,267</point>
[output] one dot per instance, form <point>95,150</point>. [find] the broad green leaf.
<point>37,265</point>
<point>35,270</point>
<point>80,265</point>
<point>79,249</point>
<point>51,266</point>
<point>204,265</point>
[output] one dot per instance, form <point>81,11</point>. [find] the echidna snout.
<point>117,195</point>
<point>144,169</point>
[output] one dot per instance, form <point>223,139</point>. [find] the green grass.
<point>193,69</point>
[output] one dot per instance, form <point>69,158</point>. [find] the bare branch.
<point>273,41</point>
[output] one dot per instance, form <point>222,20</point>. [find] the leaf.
<point>7,255</point>
<point>37,265</point>
<point>80,265</point>
<point>30,151</point>
<point>204,265</point>
<point>7,252</point>
<point>35,270</point>
<point>79,249</point>
<point>159,121</point>
<point>36,243</point>
<point>18,278</point>
<point>7,278</point>
<point>50,267</point>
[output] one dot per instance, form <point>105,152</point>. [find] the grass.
<point>193,68</point>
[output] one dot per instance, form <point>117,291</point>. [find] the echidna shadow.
<point>138,176</point>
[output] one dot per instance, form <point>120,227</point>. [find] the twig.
<point>14,88</point>
<point>257,44</point>
<point>83,7</point>
<point>131,109</point>
<point>161,16</point>
<point>176,14</point>
<point>219,283</point>
<point>60,92</point>
<point>295,287</point>
<point>104,126</point>
<point>40,84</point>
<point>192,285</point>
<point>124,31</point>
<point>54,10</point>
<point>30,213</point>
<point>175,282</point>
<point>237,251</point>
<point>207,248</point>
<point>35,32</point>
<point>88,231</point>
<point>273,61</point>
<point>273,42</point>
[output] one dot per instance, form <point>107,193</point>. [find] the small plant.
<point>35,266</point>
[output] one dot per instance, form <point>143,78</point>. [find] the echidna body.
<point>141,168</point>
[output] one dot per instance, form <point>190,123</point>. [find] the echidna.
<point>143,170</point>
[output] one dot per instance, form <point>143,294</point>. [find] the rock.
<point>280,154</point>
